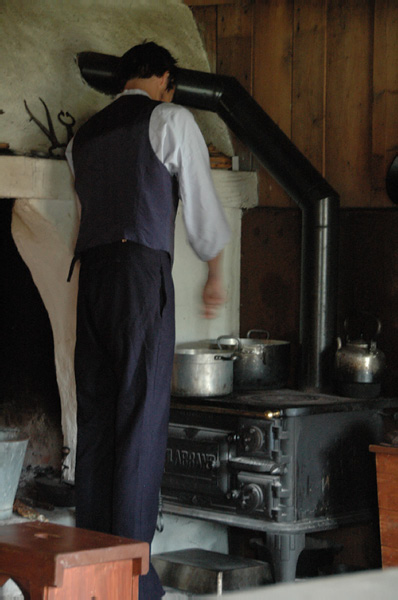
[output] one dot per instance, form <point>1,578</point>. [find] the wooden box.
<point>54,562</point>
<point>387,491</point>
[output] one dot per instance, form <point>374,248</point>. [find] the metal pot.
<point>202,372</point>
<point>261,363</point>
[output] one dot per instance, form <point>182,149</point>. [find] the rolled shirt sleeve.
<point>178,143</point>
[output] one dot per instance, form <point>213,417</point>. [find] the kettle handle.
<point>377,320</point>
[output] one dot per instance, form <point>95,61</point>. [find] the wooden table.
<point>387,491</point>
<point>54,562</point>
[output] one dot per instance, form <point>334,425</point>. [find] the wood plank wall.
<point>326,71</point>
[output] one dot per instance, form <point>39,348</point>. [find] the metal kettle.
<point>359,365</point>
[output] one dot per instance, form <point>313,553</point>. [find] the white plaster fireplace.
<point>43,227</point>
<point>39,42</point>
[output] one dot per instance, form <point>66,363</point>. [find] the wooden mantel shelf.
<point>29,177</point>
<point>50,179</point>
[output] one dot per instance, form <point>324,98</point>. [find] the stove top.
<point>290,402</point>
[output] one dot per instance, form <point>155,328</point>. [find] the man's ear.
<point>164,80</point>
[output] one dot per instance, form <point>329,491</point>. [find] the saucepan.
<point>218,367</point>
<point>261,363</point>
<point>202,372</point>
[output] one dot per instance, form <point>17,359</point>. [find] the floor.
<point>65,516</point>
<point>369,585</point>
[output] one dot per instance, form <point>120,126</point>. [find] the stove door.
<point>196,468</point>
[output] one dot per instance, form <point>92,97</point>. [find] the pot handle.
<point>264,356</point>
<point>220,357</point>
<point>229,337</point>
<point>257,331</point>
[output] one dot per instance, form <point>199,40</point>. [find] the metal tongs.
<point>49,131</point>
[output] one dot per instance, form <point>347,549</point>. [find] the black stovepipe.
<point>318,201</point>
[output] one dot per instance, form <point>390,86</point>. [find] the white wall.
<point>40,39</point>
<point>236,190</point>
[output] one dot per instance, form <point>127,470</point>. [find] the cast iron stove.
<point>282,462</point>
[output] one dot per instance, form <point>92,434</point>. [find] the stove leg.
<point>285,550</point>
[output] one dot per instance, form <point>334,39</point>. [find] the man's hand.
<point>213,292</point>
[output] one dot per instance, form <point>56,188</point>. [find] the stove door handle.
<point>255,465</point>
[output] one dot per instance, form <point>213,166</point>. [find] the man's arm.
<point>179,145</point>
<point>213,292</point>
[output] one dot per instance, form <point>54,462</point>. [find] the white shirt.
<point>178,143</point>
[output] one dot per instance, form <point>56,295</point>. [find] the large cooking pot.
<point>261,363</point>
<point>202,372</point>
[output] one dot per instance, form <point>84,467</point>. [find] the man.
<point>129,162</point>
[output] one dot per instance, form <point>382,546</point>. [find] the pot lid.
<point>246,345</point>
<point>202,355</point>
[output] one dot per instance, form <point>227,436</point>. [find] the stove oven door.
<point>196,469</point>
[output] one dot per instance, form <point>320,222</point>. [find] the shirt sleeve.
<point>178,143</point>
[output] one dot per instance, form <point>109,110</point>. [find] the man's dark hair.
<point>145,60</point>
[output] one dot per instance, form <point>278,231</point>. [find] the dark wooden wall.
<point>326,71</point>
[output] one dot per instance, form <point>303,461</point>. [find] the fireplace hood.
<point>318,201</point>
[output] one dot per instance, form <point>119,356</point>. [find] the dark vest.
<point>124,189</point>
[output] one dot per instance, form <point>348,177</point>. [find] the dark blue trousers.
<point>123,362</point>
